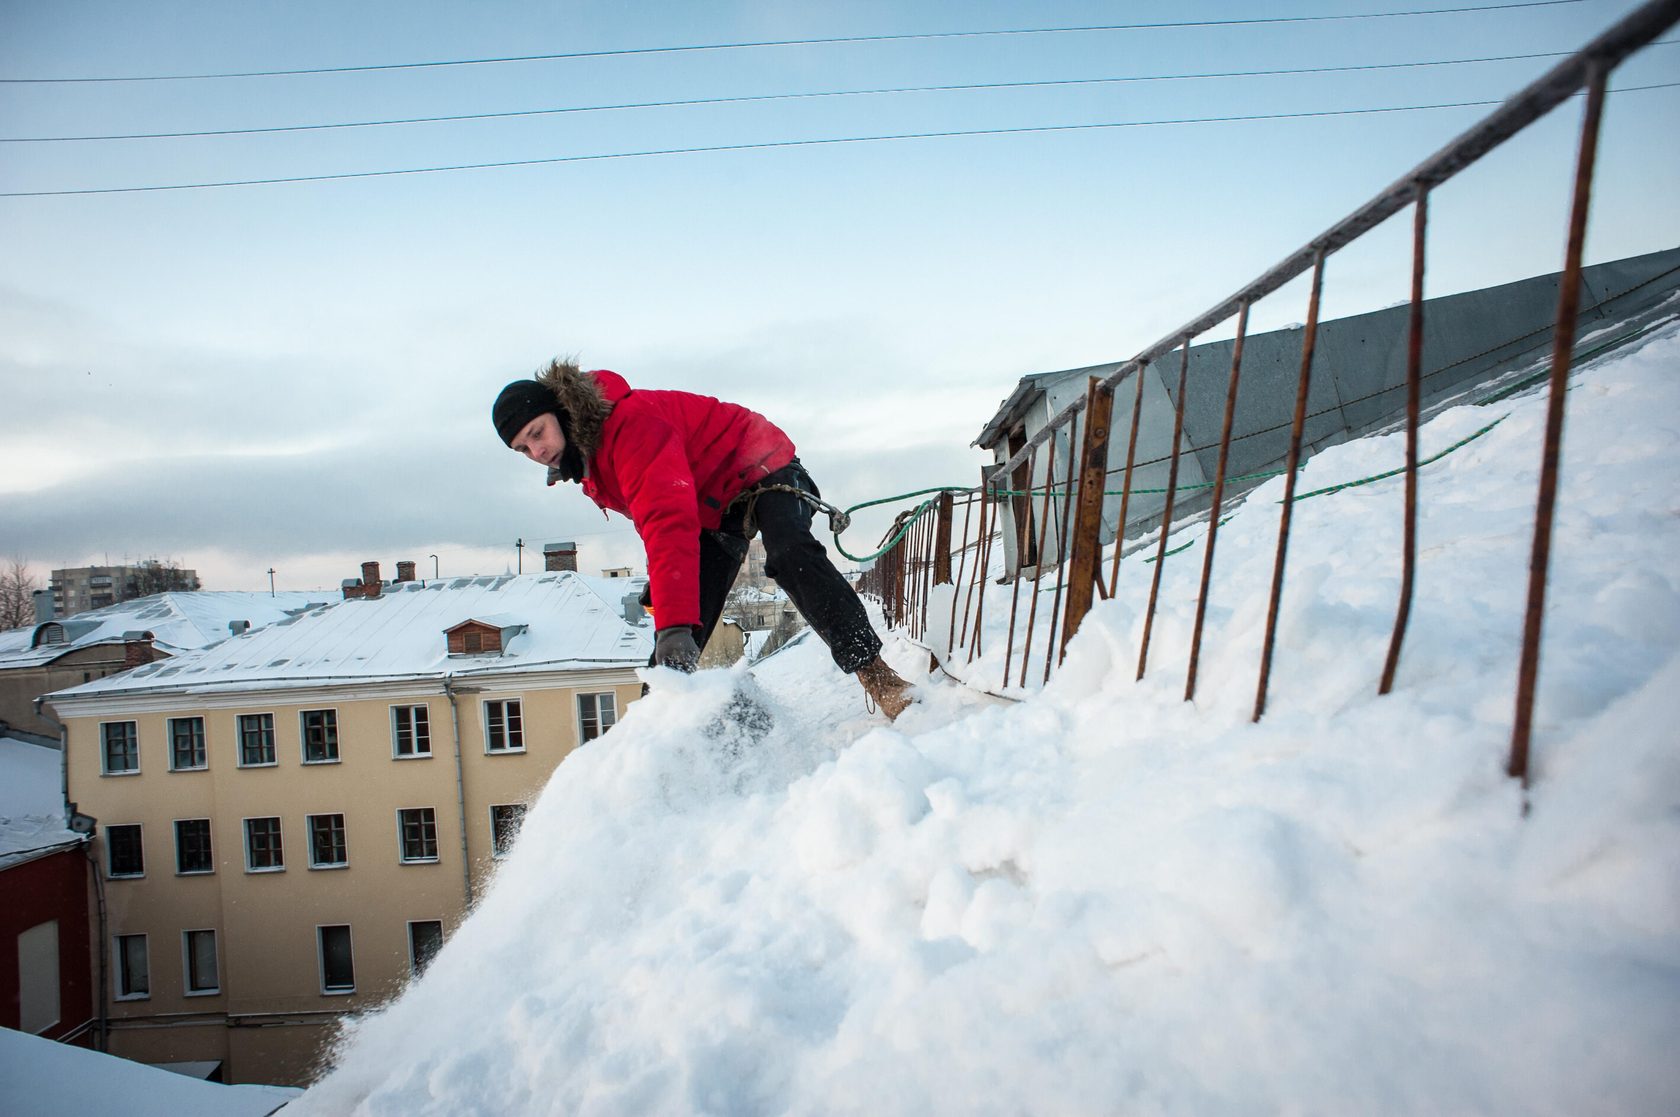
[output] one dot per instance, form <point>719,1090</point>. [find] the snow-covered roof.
<point>41,1077</point>
<point>572,621</point>
<point>31,802</point>
<point>179,622</point>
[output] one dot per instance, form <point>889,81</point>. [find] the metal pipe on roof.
<point>460,788</point>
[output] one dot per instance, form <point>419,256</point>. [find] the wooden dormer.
<point>482,636</point>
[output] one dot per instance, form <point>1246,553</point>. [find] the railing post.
<point>1414,391</point>
<point>1217,504</point>
<point>1126,484</point>
<point>1167,511</point>
<point>1563,348</point>
<point>1085,562</point>
<point>942,540</point>
<point>1308,340</point>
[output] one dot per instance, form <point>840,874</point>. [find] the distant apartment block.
<point>78,589</point>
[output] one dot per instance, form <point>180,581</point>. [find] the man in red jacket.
<point>697,477</point>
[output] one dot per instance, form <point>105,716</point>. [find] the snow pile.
<point>1104,899</point>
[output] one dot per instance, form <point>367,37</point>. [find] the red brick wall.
<point>51,887</point>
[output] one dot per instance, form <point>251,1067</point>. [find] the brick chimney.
<point>370,579</point>
<point>560,556</point>
<point>137,649</point>
<point>405,570</point>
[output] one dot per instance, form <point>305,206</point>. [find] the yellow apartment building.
<point>290,823</point>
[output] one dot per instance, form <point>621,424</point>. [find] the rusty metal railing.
<point>911,577</point>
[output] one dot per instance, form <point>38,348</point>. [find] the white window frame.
<point>321,960</point>
<point>245,833</point>
<point>519,717</point>
<point>303,735</point>
<point>119,968</point>
<point>187,988</point>
<point>309,836</point>
<point>105,749</point>
<point>203,744</point>
<point>600,719</point>
<point>402,848</point>
<point>110,872</point>
<point>239,740</point>
<point>210,831</point>
<point>413,733</point>
<point>523,809</point>
<point>413,968</point>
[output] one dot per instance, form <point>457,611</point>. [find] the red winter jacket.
<point>672,462</point>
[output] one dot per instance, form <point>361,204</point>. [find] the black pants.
<point>795,560</point>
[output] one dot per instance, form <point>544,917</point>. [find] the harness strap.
<point>838,521</point>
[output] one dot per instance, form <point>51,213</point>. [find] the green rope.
<point>901,526</point>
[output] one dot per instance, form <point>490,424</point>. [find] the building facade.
<point>291,824</point>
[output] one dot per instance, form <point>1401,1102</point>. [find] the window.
<point>417,834</point>
<point>133,976</point>
<point>122,848</point>
<point>256,740</point>
<point>425,939</point>
<point>37,954</point>
<point>505,822</point>
<point>597,713</point>
<point>504,727</point>
<point>412,731</point>
<point>338,971</point>
<point>186,745</point>
<point>199,948</point>
<point>262,845</point>
<point>192,846</point>
<point>122,747</point>
<point>320,736</point>
<point>326,842</point>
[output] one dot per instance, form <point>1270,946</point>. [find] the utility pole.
<point>271,581</point>
<point>519,545</point>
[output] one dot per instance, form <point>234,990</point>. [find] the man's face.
<point>541,440</point>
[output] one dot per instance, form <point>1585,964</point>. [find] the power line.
<point>698,101</point>
<point>773,144</point>
<point>833,41</point>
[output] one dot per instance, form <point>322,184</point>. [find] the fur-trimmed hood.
<point>580,396</point>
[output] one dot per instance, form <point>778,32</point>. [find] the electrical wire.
<point>776,144</point>
<point>761,97</point>
<point>832,41</point>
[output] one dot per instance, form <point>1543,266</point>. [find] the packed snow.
<point>1100,898</point>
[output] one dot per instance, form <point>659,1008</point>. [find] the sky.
<point>297,376</point>
<point>1099,898</point>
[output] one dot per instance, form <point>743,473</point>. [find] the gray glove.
<point>675,647</point>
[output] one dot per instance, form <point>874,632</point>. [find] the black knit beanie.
<point>519,403</point>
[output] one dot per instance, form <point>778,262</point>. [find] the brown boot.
<point>885,687</point>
